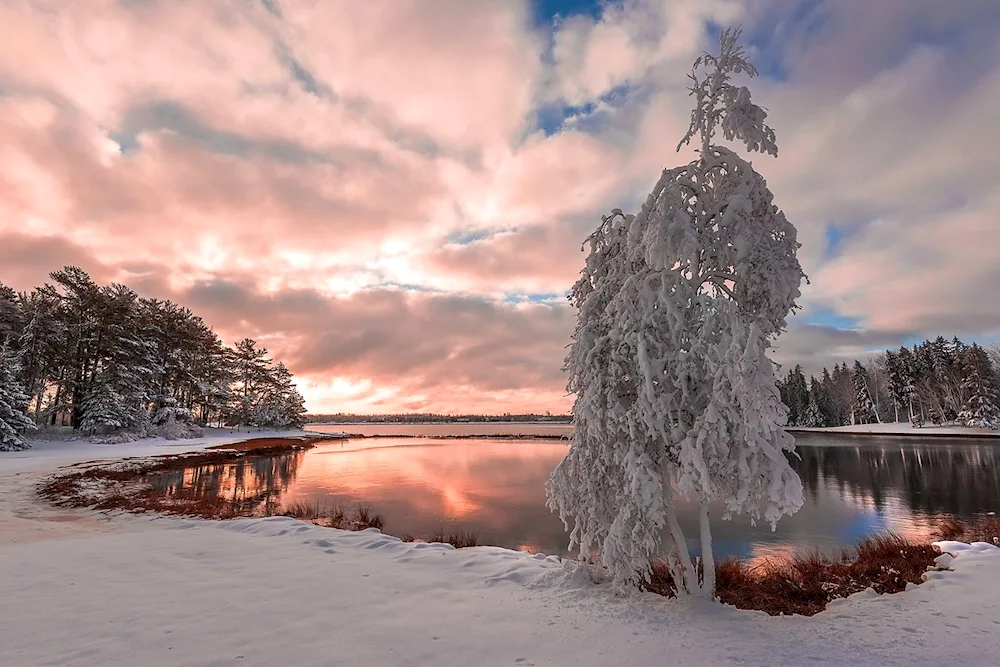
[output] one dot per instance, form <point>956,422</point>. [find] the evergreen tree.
<point>284,404</point>
<point>795,395</point>
<point>864,406</point>
<point>908,380</point>
<point>104,409</point>
<point>13,402</point>
<point>250,371</point>
<point>813,416</point>
<point>824,399</point>
<point>981,407</point>
<point>10,316</point>
<point>100,358</point>
<point>895,381</point>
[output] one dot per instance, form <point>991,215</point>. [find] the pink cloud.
<point>285,174</point>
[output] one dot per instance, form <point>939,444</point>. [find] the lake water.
<point>854,486</point>
<point>537,429</point>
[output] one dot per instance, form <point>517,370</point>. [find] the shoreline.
<point>886,564</point>
<point>937,435</point>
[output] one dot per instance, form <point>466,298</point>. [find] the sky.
<point>391,195</point>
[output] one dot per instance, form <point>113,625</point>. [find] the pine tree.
<point>13,402</point>
<point>10,316</point>
<point>981,407</point>
<point>824,399</point>
<point>813,416</point>
<point>864,406</point>
<point>250,371</point>
<point>103,409</point>
<point>128,361</point>
<point>908,380</point>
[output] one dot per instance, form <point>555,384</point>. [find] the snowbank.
<point>902,428</point>
<point>158,591</point>
<point>51,453</point>
<point>23,518</point>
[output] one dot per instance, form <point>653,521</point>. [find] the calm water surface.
<point>854,486</point>
<point>546,429</point>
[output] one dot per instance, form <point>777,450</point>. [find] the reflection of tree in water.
<point>249,481</point>
<point>960,480</point>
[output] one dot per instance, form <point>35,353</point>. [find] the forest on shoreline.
<point>934,381</point>
<point>107,362</point>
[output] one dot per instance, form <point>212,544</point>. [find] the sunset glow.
<point>391,196</point>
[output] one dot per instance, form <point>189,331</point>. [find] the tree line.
<point>103,360</point>
<point>934,381</point>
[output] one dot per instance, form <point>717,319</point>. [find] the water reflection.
<point>957,478</point>
<point>853,487</point>
<point>253,484</point>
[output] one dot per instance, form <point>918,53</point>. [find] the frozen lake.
<point>854,486</point>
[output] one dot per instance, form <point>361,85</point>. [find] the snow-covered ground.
<point>23,518</point>
<point>902,428</point>
<point>134,590</point>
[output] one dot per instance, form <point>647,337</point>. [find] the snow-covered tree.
<point>674,390</point>
<point>813,415</point>
<point>980,408</point>
<point>128,361</point>
<point>282,406</point>
<point>13,402</point>
<point>250,371</point>
<point>864,403</point>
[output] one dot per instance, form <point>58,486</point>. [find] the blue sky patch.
<point>828,317</point>
<point>533,297</point>
<point>552,118</point>
<point>547,10</point>
<point>767,45</point>
<point>470,236</point>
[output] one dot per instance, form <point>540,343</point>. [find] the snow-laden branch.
<point>674,391</point>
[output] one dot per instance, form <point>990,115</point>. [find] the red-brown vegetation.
<point>981,529</point>
<point>806,584</point>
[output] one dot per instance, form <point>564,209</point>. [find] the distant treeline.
<point>936,381</point>
<point>427,418</point>
<point>101,359</point>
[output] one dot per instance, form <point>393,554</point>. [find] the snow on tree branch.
<point>719,102</point>
<point>674,391</point>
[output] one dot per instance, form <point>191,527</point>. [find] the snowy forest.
<point>106,362</point>
<point>936,381</point>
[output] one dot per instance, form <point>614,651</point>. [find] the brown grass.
<point>335,516</point>
<point>459,538</point>
<point>805,585</point>
<point>305,511</point>
<point>981,529</point>
<point>120,485</point>
<point>257,444</point>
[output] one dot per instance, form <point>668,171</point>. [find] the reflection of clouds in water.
<point>496,487</point>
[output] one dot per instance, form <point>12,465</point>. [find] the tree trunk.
<point>689,585</point>
<point>707,555</point>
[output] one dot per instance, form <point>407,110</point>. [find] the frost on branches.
<point>980,409</point>
<point>674,390</point>
<point>13,419</point>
